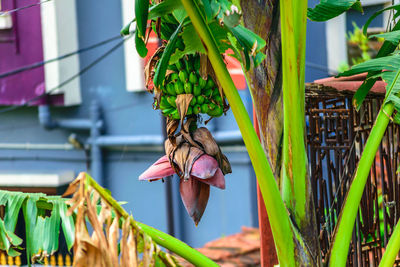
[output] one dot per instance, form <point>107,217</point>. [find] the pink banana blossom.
<point>196,190</point>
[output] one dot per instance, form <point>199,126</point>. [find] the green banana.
<point>179,88</point>
<point>193,78</point>
<point>183,76</point>
<point>188,88</point>
<point>172,101</point>
<point>216,112</point>
<point>189,111</point>
<point>200,99</point>
<point>210,83</point>
<point>170,89</point>
<point>202,83</point>
<point>193,101</point>
<point>204,108</point>
<point>197,109</point>
<point>196,90</point>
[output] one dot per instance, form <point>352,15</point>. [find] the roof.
<point>241,249</point>
<point>351,83</point>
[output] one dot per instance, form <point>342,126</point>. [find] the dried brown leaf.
<point>203,136</point>
<point>204,66</point>
<point>148,250</point>
<point>150,66</point>
<point>113,236</point>
<point>124,243</point>
<point>182,105</point>
<point>186,134</point>
<point>73,187</point>
<point>131,246</point>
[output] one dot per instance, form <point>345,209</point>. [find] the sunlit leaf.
<point>140,46</point>
<point>162,66</point>
<point>141,14</point>
<point>164,8</point>
<point>328,9</point>
<point>376,14</point>
<point>393,37</point>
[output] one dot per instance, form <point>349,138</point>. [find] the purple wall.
<point>19,47</point>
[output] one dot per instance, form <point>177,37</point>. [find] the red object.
<point>351,83</point>
<point>267,248</point>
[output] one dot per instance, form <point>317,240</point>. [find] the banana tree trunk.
<point>265,82</point>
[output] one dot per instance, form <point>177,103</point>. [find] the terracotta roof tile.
<point>242,249</point>
<point>351,83</point>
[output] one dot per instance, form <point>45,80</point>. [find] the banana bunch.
<point>184,78</point>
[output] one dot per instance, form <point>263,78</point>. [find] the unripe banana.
<point>197,63</point>
<point>208,92</point>
<point>175,115</point>
<point>189,111</point>
<point>215,92</point>
<point>202,83</point>
<point>164,103</point>
<point>210,83</point>
<point>193,101</point>
<point>172,101</point>
<point>218,99</point>
<point>197,109</point>
<point>216,112</point>
<point>188,64</point>
<point>204,108</point>
<point>170,89</point>
<point>183,76</point>
<point>174,77</point>
<point>196,90</point>
<point>179,65</point>
<point>200,99</point>
<point>188,88</point>
<point>193,78</point>
<point>179,88</point>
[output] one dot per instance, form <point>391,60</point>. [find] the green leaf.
<point>140,46</point>
<point>68,226</point>
<point>386,49</point>
<point>164,8</point>
<point>248,39</point>
<point>126,29</point>
<point>179,14</point>
<point>393,37</point>
<point>30,213</point>
<point>162,66</point>
<point>141,14</point>
<point>371,18</point>
<point>328,9</point>
<point>390,63</point>
<point>13,206</point>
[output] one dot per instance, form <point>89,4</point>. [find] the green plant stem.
<point>348,215</point>
<point>294,172</point>
<point>278,216</point>
<point>392,248</point>
<point>161,238</point>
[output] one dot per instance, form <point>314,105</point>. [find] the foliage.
<point>42,215</point>
<point>106,246</point>
<point>328,9</point>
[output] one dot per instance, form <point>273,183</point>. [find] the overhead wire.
<point>41,63</point>
<point>6,12</point>
<point>70,79</point>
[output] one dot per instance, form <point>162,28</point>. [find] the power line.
<point>73,77</point>
<point>41,63</point>
<point>2,13</point>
